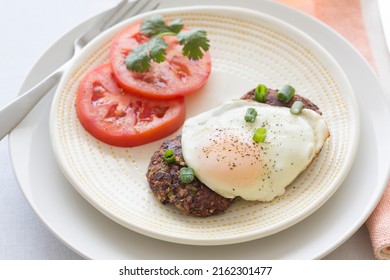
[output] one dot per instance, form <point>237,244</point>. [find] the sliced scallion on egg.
<point>250,115</point>
<point>259,135</point>
<point>296,108</point>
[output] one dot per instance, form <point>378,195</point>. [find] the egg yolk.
<point>227,158</point>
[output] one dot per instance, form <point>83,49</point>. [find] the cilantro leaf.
<point>158,49</point>
<point>176,26</point>
<point>156,25</point>
<point>193,41</point>
<point>139,59</point>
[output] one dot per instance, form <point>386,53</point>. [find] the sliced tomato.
<point>177,76</point>
<point>119,118</point>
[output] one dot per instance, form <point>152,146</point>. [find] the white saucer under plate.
<point>92,235</point>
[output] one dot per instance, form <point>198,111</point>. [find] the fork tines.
<point>126,9</point>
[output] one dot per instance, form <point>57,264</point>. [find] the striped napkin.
<point>346,17</point>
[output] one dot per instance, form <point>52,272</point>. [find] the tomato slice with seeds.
<point>176,76</point>
<point>116,117</point>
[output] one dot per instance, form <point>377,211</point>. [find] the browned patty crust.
<point>193,198</point>
<point>196,198</point>
<point>271,99</point>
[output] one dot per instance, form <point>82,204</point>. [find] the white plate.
<point>92,235</point>
<point>247,48</point>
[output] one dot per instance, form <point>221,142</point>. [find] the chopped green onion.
<point>169,156</point>
<point>261,93</point>
<point>286,93</point>
<point>296,108</point>
<point>260,134</point>
<point>186,175</point>
<point>250,115</point>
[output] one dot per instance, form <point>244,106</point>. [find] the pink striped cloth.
<point>346,17</point>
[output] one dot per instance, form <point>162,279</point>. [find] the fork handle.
<point>14,112</point>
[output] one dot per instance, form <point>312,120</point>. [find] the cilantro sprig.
<point>194,42</point>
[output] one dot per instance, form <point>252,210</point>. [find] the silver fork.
<point>14,112</point>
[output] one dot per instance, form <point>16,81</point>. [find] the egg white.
<point>218,145</point>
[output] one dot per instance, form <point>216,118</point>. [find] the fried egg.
<point>219,146</point>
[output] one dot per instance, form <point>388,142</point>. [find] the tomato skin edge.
<point>157,129</point>
<point>141,93</point>
<point>152,135</point>
<point>198,70</point>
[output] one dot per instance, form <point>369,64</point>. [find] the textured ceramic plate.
<point>247,48</point>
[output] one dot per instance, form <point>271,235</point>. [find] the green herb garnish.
<point>156,25</point>
<point>187,175</point>
<point>139,59</point>
<point>169,156</point>
<point>259,135</point>
<point>286,93</point>
<point>250,115</point>
<point>296,108</point>
<point>194,42</point>
<point>261,92</point>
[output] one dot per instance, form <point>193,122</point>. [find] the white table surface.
<point>27,29</point>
